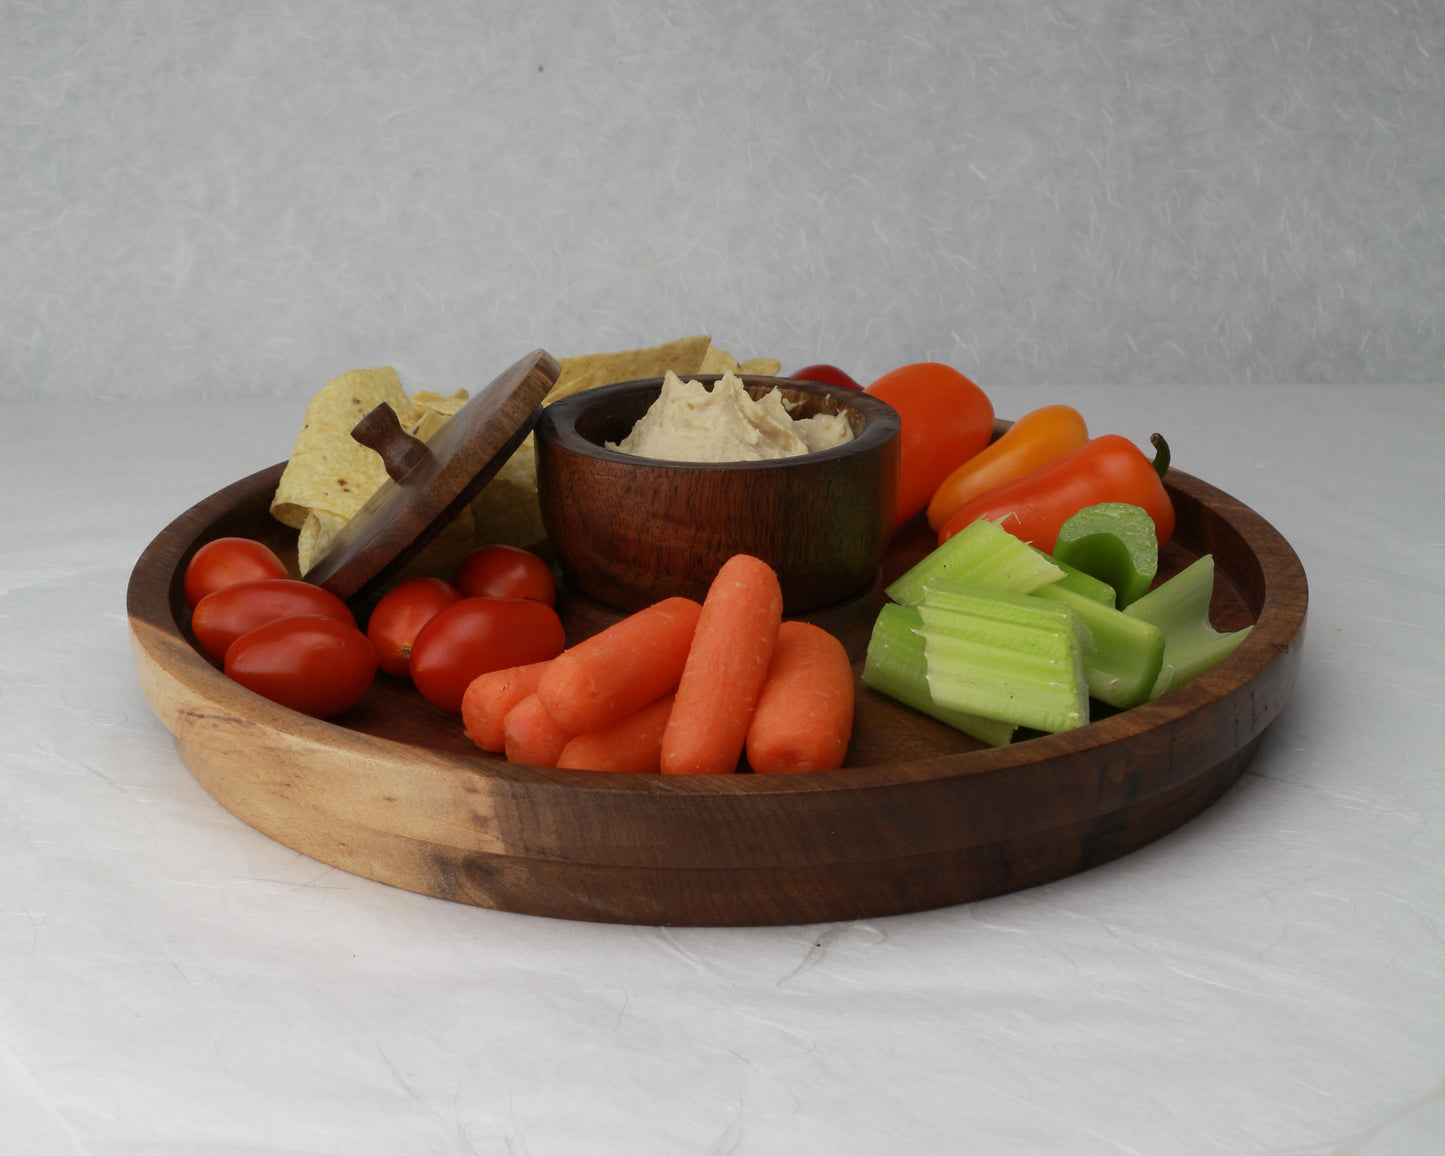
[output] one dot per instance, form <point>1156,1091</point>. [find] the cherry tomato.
<point>223,616</point>
<point>314,664</point>
<point>226,562</point>
<point>476,635</point>
<point>946,420</point>
<point>826,375</point>
<point>505,572</point>
<point>400,615</point>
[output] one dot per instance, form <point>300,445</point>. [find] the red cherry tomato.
<point>505,572</point>
<point>399,617</point>
<point>226,562</point>
<point>946,420</point>
<point>317,665</point>
<point>223,616</point>
<point>826,375</point>
<point>476,635</point>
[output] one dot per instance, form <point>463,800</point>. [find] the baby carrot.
<point>532,734</point>
<point>490,696</point>
<point>725,670</point>
<point>618,671</point>
<point>804,715</point>
<point>634,744</point>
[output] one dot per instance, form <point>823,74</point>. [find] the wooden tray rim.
<point>1278,625</point>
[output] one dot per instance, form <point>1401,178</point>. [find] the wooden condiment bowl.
<point>630,530</point>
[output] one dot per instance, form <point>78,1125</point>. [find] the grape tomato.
<point>399,617</point>
<point>224,562</point>
<point>478,635</point>
<point>505,572</point>
<point>223,616</point>
<point>311,663</point>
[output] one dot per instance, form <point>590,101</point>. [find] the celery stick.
<point>982,553</point>
<point>895,666</point>
<point>1004,655</point>
<point>1180,608</point>
<point>1126,653</point>
<point>1115,542</point>
<point>1080,583</point>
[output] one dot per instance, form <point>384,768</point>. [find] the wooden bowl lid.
<point>431,481</point>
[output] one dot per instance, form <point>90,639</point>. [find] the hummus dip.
<point>689,423</point>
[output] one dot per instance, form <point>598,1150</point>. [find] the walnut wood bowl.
<point>630,530</point>
<point>919,816</point>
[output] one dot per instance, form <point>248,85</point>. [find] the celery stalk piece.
<point>895,666</point>
<point>1007,656</point>
<point>1080,583</point>
<point>982,553</point>
<point>1179,606</point>
<point>1115,542</point>
<point>1126,653</point>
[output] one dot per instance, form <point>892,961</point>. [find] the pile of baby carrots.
<point>679,688</point>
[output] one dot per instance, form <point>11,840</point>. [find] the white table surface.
<point>1268,979</point>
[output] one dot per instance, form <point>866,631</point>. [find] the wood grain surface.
<point>918,817</point>
<point>631,530</point>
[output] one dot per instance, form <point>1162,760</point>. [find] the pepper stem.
<point>1161,456</point>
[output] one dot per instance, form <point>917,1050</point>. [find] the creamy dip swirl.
<point>690,423</point>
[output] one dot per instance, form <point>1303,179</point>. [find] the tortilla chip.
<point>721,361</point>
<point>433,410</point>
<point>318,531</point>
<point>330,475</point>
<point>507,511</point>
<point>328,470</point>
<point>430,399</point>
<point>717,360</point>
<point>682,356</point>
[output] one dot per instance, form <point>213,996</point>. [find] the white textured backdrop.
<point>249,199</point>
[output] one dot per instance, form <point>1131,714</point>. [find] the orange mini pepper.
<point>1034,440</point>
<point>1106,469</point>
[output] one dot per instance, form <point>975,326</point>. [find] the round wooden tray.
<point>920,816</point>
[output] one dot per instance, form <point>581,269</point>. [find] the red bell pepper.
<point>1105,469</point>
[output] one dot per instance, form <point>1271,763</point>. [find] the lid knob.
<point>400,452</point>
